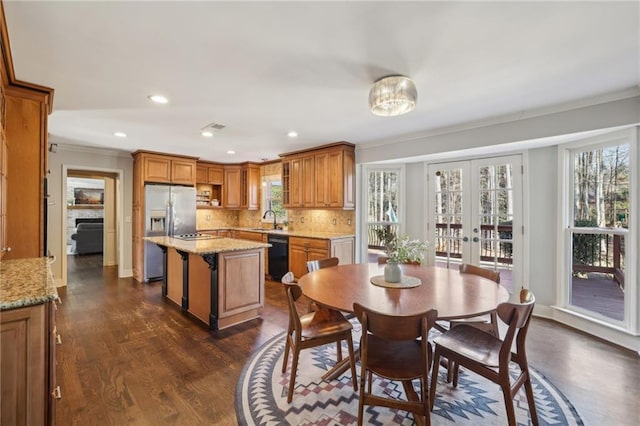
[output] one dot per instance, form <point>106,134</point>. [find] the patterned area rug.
<point>261,395</point>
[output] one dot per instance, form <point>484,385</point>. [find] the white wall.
<point>87,159</point>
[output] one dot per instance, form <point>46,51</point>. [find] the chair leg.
<point>286,355</point>
<point>508,402</point>
<point>352,361</point>
<point>434,378</point>
<point>456,372</point>
<point>532,403</point>
<point>339,350</point>
<point>363,384</point>
<point>292,378</point>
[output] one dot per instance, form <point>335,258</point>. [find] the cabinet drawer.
<point>309,242</point>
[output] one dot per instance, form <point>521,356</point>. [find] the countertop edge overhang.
<point>304,234</point>
<point>26,282</point>
<point>207,246</point>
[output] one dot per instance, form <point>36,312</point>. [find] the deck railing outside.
<point>593,252</point>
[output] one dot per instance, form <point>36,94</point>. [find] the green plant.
<point>402,249</point>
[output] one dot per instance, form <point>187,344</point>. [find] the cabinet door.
<point>157,169</point>
<point>250,185</point>
<point>3,194</point>
<point>22,366</point>
<point>232,179</point>
<point>334,180</point>
<point>295,186</point>
<point>183,172</point>
<point>298,260</point>
<point>202,174</point>
<point>322,174</point>
<point>349,180</point>
<point>308,179</point>
<point>343,249</point>
<point>215,175</point>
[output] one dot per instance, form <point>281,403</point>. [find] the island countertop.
<point>26,282</point>
<point>207,246</point>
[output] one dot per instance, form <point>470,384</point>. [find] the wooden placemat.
<point>405,282</point>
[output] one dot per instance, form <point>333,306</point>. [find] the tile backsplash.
<point>338,221</point>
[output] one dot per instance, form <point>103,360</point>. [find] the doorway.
<point>91,218</point>
<point>475,215</point>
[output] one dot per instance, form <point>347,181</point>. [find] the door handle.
<point>476,239</point>
<point>465,239</point>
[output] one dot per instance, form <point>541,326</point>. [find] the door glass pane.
<point>600,223</point>
<point>496,218</point>
<point>448,227</point>
<point>383,198</point>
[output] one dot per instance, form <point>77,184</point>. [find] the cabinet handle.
<point>57,394</point>
<point>6,249</point>
<point>58,339</point>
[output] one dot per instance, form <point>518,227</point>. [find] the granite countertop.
<point>213,245</point>
<point>26,282</point>
<point>304,234</point>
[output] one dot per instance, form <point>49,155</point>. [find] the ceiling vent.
<point>214,126</point>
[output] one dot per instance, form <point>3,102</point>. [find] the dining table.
<point>453,294</point>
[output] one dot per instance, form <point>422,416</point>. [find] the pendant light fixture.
<point>393,95</point>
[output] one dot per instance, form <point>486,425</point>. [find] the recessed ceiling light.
<point>231,152</point>
<point>292,134</point>
<point>159,99</point>
<point>120,134</point>
<point>206,133</point>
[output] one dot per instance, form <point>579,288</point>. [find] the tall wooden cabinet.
<point>323,177</point>
<point>154,167</point>
<point>23,162</point>
<point>241,186</point>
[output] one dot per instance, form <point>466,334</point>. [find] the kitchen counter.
<point>303,234</point>
<point>206,246</point>
<point>219,281</point>
<point>26,282</point>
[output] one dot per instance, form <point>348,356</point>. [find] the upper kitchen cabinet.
<point>323,177</point>
<point>161,168</point>
<point>250,186</point>
<point>209,184</point>
<point>23,163</point>
<point>241,186</point>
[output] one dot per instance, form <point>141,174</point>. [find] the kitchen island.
<point>219,281</point>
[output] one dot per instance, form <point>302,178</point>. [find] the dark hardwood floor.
<point>130,358</point>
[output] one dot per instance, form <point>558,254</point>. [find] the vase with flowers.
<point>401,249</point>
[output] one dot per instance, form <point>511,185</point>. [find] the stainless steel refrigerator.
<point>169,210</point>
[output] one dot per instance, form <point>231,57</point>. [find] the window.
<point>272,198</point>
<point>598,278</point>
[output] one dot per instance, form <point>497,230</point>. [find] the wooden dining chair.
<point>490,357</point>
<point>314,265</point>
<point>312,329</point>
<point>395,348</point>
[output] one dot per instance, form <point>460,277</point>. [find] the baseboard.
<point>60,282</point>
<point>127,273</point>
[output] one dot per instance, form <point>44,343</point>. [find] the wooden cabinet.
<point>28,365</point>
<point>160,168</point>
<point>241,186</point>
<point>25,108</point>
<point>302,250</point>
<point>209,183</point>
<point>153,167</point>
<point>231,189</point>
<point>250,186</point>
<point>320,178</point>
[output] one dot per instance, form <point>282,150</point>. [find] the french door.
<point>475,215</point>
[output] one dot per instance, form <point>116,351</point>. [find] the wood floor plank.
<point>129,357</point>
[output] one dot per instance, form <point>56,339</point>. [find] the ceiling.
<point>264,68</point>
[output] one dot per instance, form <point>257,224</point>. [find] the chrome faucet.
<point>275,224</point>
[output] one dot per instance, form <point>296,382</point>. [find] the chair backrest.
<point>391,327</point>
<point>314,265</point>
<point>293,292</point>
<point>517,317</point>
<point>466,268</point>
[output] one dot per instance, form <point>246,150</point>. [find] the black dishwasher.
<point>278,256</point>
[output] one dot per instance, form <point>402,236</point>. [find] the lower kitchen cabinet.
<point>302,250</point>
<point>28,365</point>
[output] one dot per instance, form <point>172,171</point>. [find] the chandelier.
<point>393,95</point>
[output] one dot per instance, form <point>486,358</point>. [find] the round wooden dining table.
<point>452,294</point>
